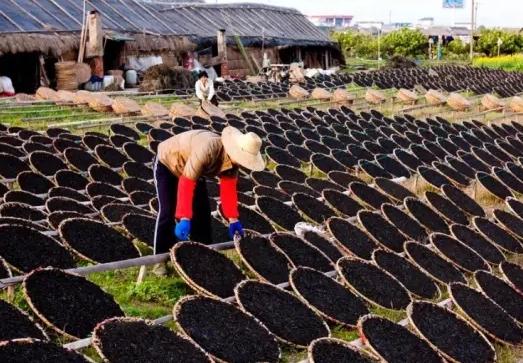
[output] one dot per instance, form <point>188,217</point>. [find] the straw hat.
<point>243,149</point>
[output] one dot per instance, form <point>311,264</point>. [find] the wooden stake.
<point>141,275</point>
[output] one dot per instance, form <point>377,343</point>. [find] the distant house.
<point>425,23</point>
<point>36,34</point>
<point>336,22</point>
<point>447,34</point>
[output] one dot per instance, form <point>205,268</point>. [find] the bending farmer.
<point>182,164</point>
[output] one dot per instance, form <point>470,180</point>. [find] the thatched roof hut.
<point>253,23</point>
<point>52,27</point>
<point>133,28</point>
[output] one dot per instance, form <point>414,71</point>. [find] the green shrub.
<point>488,42</point>
<point>405,42</point>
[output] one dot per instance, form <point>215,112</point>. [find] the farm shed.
<point>36,34</point>
<point>285,34</point>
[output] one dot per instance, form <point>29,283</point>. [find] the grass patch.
<point>153,298</point>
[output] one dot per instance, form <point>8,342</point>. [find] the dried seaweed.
<point>478,243</point>
<point>17,324</point>
<point>282,313</point>
<point>501,293</point>
<point>485,314</point>
<point>395,343</point>
<point>351,238</point>
<point>372,283</point>
<point>198,266</point>
<point>68,303</point>
<point>266,261</point>
<point>96,241</point>
<point>126,340</point>
<point>458,253</point>
<point>327,350</point>
<point>405,272</point>
<point>451,335</point>
<point>209,324</point>
<point>301,253</point>
<point>382,231</point>
<point>432,264</point>
<point>329,298</point>
<point>30,350</point>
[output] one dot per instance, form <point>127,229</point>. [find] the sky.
<point>492,13</point>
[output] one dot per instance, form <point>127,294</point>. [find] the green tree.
<point>356,44</point>
<point>405,42</point>
<point>488,42</point>
<point>457,47</point>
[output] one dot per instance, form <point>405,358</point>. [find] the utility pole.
<point>472,27</point>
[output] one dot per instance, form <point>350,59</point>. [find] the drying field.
<point>371,236</point>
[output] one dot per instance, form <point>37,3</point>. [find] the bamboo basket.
<point>24,98</point>
<point>83,72</point>
<point>298,92</point>
<point>516,104</point>
<point>435,98</point>
<point>65,96</point>
<point>458,103</point>
<point>47,94</point>
<point>66,78</point>
<point>342,97</point>
<point>181,110</point>
<point>125,106</point>
<point>406,96</point>
<point>82,97</point>
<point>374,97</point>
<point>491,102</point>
<point>320,94</point>
<point>100,102</point>
<point>153,109</point>
<point>211,110</point>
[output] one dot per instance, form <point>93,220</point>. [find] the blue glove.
<point>182,230</point>
<point>236,227</point>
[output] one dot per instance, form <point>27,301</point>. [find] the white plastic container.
<point>6,85</point>
<point>131,78</point>
<point>108,80</point>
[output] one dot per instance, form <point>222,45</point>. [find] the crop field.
<point>377,216</point>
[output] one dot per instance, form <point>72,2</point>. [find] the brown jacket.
<point>194,154</point>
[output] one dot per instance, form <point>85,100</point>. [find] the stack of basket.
<point>406,96</point>
<point>181,110</point>
<point>491,102</point>
<point>516,104</point>
<point>374,97</point>
<point>435,98</point>
<point>298,93</point>
<point>66,78</point>
<point>152,109</point>
<point>320,94</point>
<point>125,106</point>
<point>458,103</point>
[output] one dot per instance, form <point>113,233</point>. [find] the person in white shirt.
<point>205,89</point>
